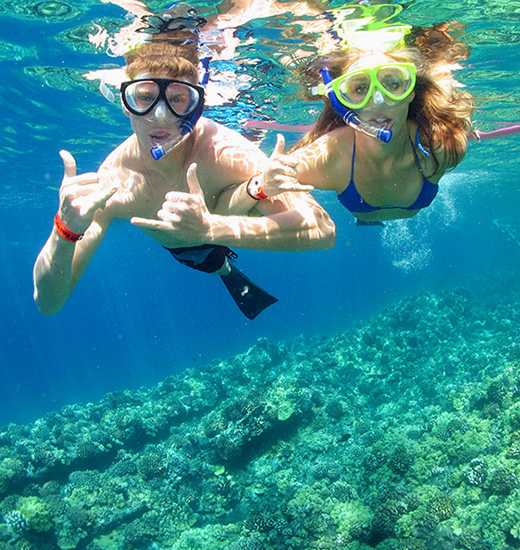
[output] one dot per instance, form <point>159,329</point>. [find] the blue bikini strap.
<point>353,162</point>
<point>420,145</point>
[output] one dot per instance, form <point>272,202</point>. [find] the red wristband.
<point>61,228</point>
<point>260,194</point>
<point>254,190</point>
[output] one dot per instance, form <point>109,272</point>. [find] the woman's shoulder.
<point>443,160</point>
<point>325,162</point>
<point>446,153</point>
<point>330,148</point>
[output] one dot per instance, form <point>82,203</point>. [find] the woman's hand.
<point>80,196</point>
<point>281,173</point>
<point>184,218</point>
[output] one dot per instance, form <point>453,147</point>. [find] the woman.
<point>393,123</point>
<point>405,96</point>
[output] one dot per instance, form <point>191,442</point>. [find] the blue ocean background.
<point>137,316</point>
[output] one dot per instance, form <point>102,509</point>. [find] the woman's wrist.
<point>254,188</point>
<point>64,231</point>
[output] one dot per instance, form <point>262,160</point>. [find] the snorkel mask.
<point>183,99</point>
<point>348,115</point>
<point>365,27</point>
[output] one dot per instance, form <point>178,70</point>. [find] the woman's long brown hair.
<point>441,110</point>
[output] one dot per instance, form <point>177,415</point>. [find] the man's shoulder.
<point>121,151</point>
<point>122,170</point>
<point>225,157</point>
<point>221,136</point>
<point>120,161</point>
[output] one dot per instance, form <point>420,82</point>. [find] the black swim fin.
<point>249,297</point>
<point>210,258</point>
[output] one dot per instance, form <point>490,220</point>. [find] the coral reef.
<point>401,434</point>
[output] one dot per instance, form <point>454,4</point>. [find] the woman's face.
<point>380,110</point>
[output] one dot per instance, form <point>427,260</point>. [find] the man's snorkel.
<point>187,125</point>
<point>178,17</point>
<point>349,116</point>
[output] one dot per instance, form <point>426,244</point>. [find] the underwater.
<point>375,405</point>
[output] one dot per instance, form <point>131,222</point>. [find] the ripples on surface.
<point>47,50</point>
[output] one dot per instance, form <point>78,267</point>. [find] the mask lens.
<point>140,96</point>
<point>182,99</point>
<point>354,88</point>
<point>396,81</point>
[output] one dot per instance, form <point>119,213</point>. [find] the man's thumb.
<point>69,163</point>
<point>193,181</point>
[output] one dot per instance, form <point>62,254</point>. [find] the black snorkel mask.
<point>177,19</point>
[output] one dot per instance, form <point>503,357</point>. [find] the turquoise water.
<point>129,327</point>
<point>444,283</point>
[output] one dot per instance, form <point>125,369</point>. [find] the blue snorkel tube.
<point>349,116</point>
<point>187,125</point>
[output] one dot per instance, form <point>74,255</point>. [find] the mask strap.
<point>205,67</point>
<point>105,90</point>
<point>189,124</point>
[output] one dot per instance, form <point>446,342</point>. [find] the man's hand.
<point>184,218</point>
<point>80,196</point>
<point>281,173</point>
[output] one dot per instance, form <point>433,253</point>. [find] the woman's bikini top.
<point>353,201</point>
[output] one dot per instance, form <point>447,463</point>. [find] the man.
<point>152,179</point>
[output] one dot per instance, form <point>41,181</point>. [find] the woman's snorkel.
<point>187,125</point>
<point>349,116</point>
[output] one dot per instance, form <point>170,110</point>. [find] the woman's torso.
<point>373,188</point>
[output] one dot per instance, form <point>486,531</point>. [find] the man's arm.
<point>291,222</point>
<point>277,176</point>
<point>63,259</point>
<point>60,265</point>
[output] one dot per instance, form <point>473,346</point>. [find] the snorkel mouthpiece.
<point>381,134</point>
<point>350,117</point>
<point>157,152</point>
<point>160,151</point>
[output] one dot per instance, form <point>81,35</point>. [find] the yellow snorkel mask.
<point>394,81</point>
